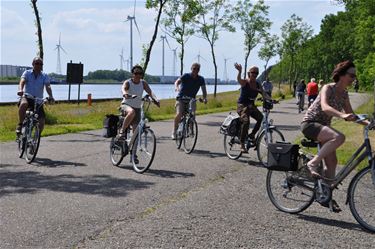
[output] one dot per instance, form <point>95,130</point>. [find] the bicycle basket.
<point>267,104</point>
<point>231,125</point>
<point>110,125</point>
<point>283,156</point>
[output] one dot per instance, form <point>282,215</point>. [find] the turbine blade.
<point>166,39</point>
<point>136,25</point>
<point>135,2</point>
<point>63,50</point>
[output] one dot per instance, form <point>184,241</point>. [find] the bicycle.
<point>141,145</point>
<point>268,134</point>
<point>29,139</point>
<point>294,191</point>
<point>187,131</point>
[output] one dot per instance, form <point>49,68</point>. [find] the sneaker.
<point>19,128</point>
<point>173,136</point>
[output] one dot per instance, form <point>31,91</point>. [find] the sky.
<point>94,33</point>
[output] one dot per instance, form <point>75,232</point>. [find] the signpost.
<point>74,75</point>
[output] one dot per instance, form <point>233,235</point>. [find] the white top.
<point>134,89</point>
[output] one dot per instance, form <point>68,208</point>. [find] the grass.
<point>65,118</point>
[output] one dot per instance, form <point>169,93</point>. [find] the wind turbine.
<point>199,56</point>
<point>121,59</point>
<point>164,38</point>
<point>131,19</point>
<point>59,47</point>
<point>174,61</point>
<point>225,74</point>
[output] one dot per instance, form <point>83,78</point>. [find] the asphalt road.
<point>72,197</point>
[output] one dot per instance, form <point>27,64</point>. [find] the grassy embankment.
<point>69,118</point>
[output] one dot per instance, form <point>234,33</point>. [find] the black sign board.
<point>74,73</point>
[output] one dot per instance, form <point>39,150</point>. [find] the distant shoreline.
<point>108,83</point>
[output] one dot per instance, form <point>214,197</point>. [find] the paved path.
<point>72,197</point>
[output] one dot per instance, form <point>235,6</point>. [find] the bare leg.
<point>177,120</point>
<point>330,139</point>
<point>331,163</point>
<point>22,111</point>
<point>127,120</point>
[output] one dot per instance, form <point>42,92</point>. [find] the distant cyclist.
<point>188,85</point>
<point>312,91</point>
<point>267,87</point>
<point>300,94</point>
<point>32,83</point>
<point>132,91</point>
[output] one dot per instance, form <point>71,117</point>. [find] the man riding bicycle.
<point>312,91</point>
<point>246,108</point>
<point>132,91</point>
<point>32,83</point>
<point>188,85</point>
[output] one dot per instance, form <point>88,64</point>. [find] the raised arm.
<point>239,79</point>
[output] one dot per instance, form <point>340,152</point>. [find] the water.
<point>8,93</point>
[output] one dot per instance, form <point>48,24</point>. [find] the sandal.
<point>332,205</point>
<point>243,148</point>
<point>314,170</point>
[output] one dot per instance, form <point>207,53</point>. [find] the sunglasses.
<point>138,73</point>
<point>352,75</point>
<point>256,73</point>
<point>38,63</point>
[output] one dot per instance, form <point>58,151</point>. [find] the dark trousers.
<point>245,112</point>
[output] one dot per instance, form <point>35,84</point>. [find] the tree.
<point>157,4</point>
<point>39,28</point>
<point>254,22</point>
<point>269,49</point>
<point>180,15</point>
<point>294,33</point>
<point>213,18</point>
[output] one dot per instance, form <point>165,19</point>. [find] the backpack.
<point>110,125</point>
<point>231,125</point>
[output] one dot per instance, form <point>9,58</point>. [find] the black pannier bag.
<point>110,125</point>
<point>231,125</point>
<point>283,156</point>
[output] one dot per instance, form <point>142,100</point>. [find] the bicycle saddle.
<point>309,143</point>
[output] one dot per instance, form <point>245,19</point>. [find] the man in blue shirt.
<point>32,83</point>
<point>188,85</point>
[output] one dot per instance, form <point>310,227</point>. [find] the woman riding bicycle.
<point>246,108</point>
<point>132,91</point>
<point>332,101</point>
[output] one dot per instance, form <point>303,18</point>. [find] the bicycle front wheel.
<point>272,136</point>
<point>32,143</point>
<point>362,199</point>
<point>290,192</point>
<point>190,135</point>
<point>21,144</point>
<point>143,150</point>
<point>179,134</point>
<point>232,147</point>
<point>116,151</point>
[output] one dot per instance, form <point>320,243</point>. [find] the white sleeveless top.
<point>134,89</point>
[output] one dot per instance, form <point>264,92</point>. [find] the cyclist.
<point>267,87</point>
<point>312,91</point>
<point>333,101</point>
<point>188,85</point>
<point>246,108</point>
<point>300,94</point>
<point>132,91</point>
<point>32,83</point>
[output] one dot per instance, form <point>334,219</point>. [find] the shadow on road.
<point>330,222</point>
<point>51,163</point>
<point>31,182</point>
<point>208,153</point>
<point>169,173</point>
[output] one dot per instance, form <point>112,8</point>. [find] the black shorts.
<point>30,103</point>
<point>311,130</point>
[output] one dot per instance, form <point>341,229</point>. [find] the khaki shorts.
<point>126,108</point>
<point>183,106</point>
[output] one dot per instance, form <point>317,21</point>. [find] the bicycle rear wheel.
<point>274,135</point>
<point>232,147</point>
<point>116,151</point>
<point>143,151</point>
<point>21,144</point>
<point>362,199</point>
<point>32,143</point>
<point>290,192</point>
<point>190,135</point>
